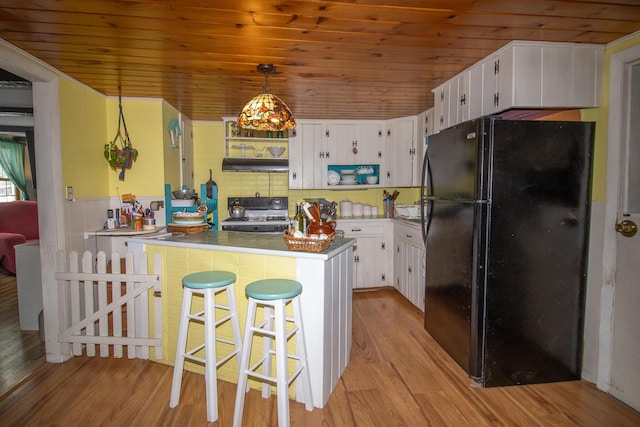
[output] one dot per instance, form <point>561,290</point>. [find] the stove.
<point>261,214</point>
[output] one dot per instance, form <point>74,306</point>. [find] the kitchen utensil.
<point>184,194</point>
<point>236,211</point>
<point>210,184</point>
<point>307,210</point>
<point>276,151</point>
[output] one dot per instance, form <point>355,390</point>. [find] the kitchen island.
<point>326,278</point>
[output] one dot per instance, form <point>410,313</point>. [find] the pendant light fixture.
<point>266,111</point>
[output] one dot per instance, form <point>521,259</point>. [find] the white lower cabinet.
<point>409,262</point>
<point>372,254</point>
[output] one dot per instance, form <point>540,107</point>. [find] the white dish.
<point>372,180</point>
<point>333,178</point>
<point>347,171</point>
<point>348,178</point>
<point>183,202</point>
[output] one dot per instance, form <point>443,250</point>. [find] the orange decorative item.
<point>321,228</point>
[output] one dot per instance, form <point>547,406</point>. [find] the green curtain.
<point>12,162</point>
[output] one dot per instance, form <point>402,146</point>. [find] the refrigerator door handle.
<point>426,182</point>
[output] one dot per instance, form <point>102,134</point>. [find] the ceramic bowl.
<point>276,151</point>
<point>372,180</point>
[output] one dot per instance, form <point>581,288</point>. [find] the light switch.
<point>70,193</point>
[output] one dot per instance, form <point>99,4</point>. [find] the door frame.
<point>618,63</point>
<point>48,145</point>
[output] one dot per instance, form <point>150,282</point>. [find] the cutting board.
<point>187,228</point>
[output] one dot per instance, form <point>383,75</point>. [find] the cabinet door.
<point>369,138</point>
<point>490,85</point>
<point>340,139</point>
<point>520,79</point>
<point>369,262</point>
<point>441,106</point>
<point>304,156</point>
<point>400,142</point>
<point>296,158</point>
<point>474,93</point>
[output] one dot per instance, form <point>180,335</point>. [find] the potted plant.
<point>119,152</point>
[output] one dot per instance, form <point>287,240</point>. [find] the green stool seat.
<point>273,289</point>
<point>208,279</point>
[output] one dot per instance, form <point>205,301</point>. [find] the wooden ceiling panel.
<point>335,59</point>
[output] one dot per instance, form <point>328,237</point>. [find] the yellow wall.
<point>146,131</point>
<point>600,116</point>
<point>171,155</point>
<point>83,129</point>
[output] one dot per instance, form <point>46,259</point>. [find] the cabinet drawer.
<point>410,233</point>
<point>356,228</point>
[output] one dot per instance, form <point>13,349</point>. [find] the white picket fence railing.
<point>111,309</point>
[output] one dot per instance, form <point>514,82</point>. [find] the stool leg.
<point>267,343</point>
<point>210,378</point>
<point>244,364</point>
<point>282,376</point>
<point>180,348</point>
<point>301,349</point>
<point>235,323</point>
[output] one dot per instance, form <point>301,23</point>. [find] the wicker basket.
<point>306,244</point>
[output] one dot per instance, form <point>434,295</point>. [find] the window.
<point>8,192</point>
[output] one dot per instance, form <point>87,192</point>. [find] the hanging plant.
<point>120,152</point>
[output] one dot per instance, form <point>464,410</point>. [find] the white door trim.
<point>617,66</point>
<point>46,120</point>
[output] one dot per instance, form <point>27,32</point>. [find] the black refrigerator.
<point>506,230</point>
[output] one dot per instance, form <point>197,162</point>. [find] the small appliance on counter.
<point>258,214</point>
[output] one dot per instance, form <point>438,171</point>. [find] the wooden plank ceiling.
<point>355,59</point>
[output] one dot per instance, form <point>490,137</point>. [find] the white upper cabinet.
<point>543,75</point>
<point>400,150</point>
<point>319,146</point>
<point>369,142</point>
<point>522,75</point>
<point>306,155</point>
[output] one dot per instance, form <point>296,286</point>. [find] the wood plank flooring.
<point>21,352</point>
<point>397,376</point>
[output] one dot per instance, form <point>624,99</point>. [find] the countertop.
<point>237,241</point>
<point>415,221</point>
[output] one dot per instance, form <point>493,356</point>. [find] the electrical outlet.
<point>70,193</point>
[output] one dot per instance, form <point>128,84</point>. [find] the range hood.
<point>244,164</point>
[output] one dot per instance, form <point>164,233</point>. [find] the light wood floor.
<point>21,352</point>
<point>397,376</point>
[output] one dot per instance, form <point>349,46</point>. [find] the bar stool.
<point>273,294</point>
<point>208,284</point>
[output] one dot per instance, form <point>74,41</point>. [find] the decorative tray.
<point>308,244</point>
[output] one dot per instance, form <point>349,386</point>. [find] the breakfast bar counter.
<point>326,278</point>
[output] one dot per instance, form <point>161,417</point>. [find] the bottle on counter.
<point>300,219</point>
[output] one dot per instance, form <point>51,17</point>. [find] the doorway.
<point>619,354</point>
